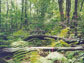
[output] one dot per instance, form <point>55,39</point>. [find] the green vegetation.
<point>41,23</point>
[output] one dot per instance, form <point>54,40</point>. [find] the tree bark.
<point>30,9</point>
<point>60,2</point>
<point>0,15</point>
<point>82,5</point>
<point>7,14</point>
<point>22,10</point>
<point>75,16</point>
<point>42,48</point>
<point>11,17</point>
<point>68,8</point>
<point>46,37</point>
<point>7,9</point>
<point>50,36</point>
<point>10,51</point>
<point>16,17</point>
<point>26,21</point>
<point>75,9</point>
<point>22,14</point>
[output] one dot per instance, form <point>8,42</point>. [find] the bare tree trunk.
<point>16,17</point>
<point>60,2</point>
<point>22,15</point>
<point>75,16</point>
<point>82,5</point>
<point>22,10</point>
<point>7,8</point>
<point>0,15</point>
<point>26,20</point>
<point>30,8</point>
<point>75,9</point>
<point>68,8</point>
<point>11,17</point>
<point>26,12</point>
<point>42,48</point>
<point>7,14</point>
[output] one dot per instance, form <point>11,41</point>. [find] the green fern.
<point>21,55</point>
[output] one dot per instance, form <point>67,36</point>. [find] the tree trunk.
<point>68,8</point>
<point>60,2</point>
<point>0,15</point>
<point>7,8</point>
<point>16,17</point>
<point>82,5</point>
<point>11,50</point>
<point>75,16</point>
<point>26,21</point>
<point>75,9</point>
<point>11,17</point>
<point>30,9</point>
<point>22,15</point>
<point>7,14</point>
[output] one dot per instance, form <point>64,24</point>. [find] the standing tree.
<point>22,10</point>
<point>82,4</point>
<point>68,8</point>
<point>25,11</point>
<point>75,16</point>
<point>60,2</point>
<point>0,13</point>
<point>7,8</point>
<point>16,17</point>
<point>30,8</point>
<point>22,13</point>
<point>11,17</point>
<point>7,14</point>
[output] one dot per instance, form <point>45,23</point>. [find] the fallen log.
<point>53,37</point>
<point>10,51</point>
<point>43,48</point>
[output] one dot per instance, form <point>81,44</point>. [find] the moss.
<point>21,33</point>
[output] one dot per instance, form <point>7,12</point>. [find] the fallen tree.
<point>44,37</point>
<point>42,48</point>
<point>4,52</point>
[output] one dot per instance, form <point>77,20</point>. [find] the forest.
<point>41,31</point>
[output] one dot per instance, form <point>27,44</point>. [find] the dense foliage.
<point>20,19</point>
